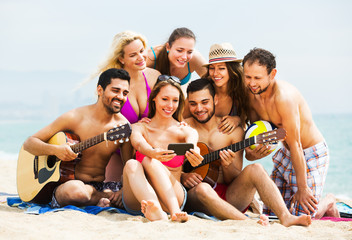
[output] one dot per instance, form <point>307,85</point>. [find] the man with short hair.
<point>235,188</point>
<point>301,165</point>
<point>89,187</point>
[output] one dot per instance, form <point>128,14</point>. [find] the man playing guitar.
<point>235,188</point>
<point>88,187</point>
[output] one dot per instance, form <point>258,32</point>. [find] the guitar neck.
<point>210,157</point>
<point>79,147</point>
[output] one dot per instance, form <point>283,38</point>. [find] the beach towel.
<point>33,208</point>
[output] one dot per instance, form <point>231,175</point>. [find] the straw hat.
<point>222,53</point>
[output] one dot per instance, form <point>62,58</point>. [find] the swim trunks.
<point>175,162</point>
<point>128,111</point>
<point>221,189</point>
<point>99,186</point>
<point>317,159</point>
<point>139,213</point>
<point>185,79</point>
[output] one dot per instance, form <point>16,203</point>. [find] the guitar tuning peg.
<point>127,139</point>
<point>121,140</point>
<point>115,142</point>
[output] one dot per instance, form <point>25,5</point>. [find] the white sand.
<point>15,224</point>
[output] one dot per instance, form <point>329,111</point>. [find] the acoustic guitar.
<point>209,167</point>
<point>38,176</point>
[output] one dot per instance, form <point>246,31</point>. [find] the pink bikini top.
<point>128,111</point>
<point>177,161</point>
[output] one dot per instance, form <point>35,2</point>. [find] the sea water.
<point>335,129</point>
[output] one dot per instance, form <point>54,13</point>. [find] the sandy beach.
<point>15,224</point>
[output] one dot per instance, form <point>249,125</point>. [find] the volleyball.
<point>259,127</point>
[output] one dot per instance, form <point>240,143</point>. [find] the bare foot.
<point>152,211</point>
<point>264,220</point>
<point>179,217</point>
<point>303,220</point>
<point>327,207</point>
<point>103,202</point>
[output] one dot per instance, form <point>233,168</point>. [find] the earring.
<point>167,51</point>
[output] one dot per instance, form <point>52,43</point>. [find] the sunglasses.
<point>167,77</point>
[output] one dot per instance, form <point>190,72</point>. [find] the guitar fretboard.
<point>79,147</point>
<point>210,157</point>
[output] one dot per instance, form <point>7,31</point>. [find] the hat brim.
<point>220,61</point>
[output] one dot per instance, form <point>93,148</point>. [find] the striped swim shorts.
<point>284,176</point>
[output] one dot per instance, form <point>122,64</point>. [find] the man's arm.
<point>37,143</point>
<point>127,151</point>
<point>232,162</point>
<point>290,115</point>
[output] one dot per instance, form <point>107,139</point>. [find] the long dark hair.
<point>162,63</point>
<point>236,89</point>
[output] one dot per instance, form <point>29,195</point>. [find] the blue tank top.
<point>185,79</point>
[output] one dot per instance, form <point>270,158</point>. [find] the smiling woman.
<point>128,52</point>
<point>152,183</point>
<point>177,57</point>
<point>226,73</point>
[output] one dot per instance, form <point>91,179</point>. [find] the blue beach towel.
<point>33,208</point>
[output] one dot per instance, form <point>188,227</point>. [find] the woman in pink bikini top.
<point>128,52</point>
<point>162,169</point>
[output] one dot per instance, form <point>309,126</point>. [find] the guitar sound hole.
<point>51,161</point>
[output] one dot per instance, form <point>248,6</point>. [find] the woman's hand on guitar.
<point>64,152</point>
<point>228,124</point>
<point>227,157</point>
<point>194,157</point>
<point>190,180</point>
<point>258,152</point>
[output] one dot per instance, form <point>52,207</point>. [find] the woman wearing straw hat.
<point>226,72</point>
<point>177,57</point>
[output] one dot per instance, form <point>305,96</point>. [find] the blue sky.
<point>311,39</point>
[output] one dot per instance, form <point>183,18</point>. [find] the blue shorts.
<point>139,213</point>
<point>99,186</point>
<point>284,176</point>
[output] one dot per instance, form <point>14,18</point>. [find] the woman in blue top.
<point>177,57</point>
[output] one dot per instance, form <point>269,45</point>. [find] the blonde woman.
<point>128,51</point>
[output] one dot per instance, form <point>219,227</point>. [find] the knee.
<point>131,167</point>
<point>203,191</point>
<point>255,169</point>
<point>75,191</point>
<point>149,162</point>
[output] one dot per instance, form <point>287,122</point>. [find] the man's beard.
<point>113,110</point>
<point>261,91</point>
<point>208,118</point>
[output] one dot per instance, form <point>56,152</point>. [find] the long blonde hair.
<point>119,42</point>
